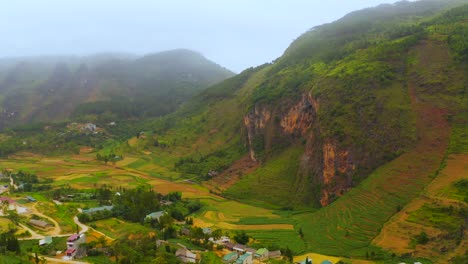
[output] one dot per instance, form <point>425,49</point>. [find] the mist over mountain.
<point>42,89</point>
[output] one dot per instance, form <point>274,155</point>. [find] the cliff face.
<point>325,169</point>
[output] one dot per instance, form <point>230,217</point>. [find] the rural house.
<point>262,254</point>
<point>39,223</point>
<point>230,258</point>
<point>45,241</point>
<point>186,256</point>
<point>155,215</point>
<point>250,251</point>
<point>274,254</point>
<point>239,248</point>
<point>31,199</point>
<point>73,244</point>
<point>98,209</point>
<point>244,259</point>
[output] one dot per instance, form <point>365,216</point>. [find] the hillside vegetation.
<point>342,136</point>
<point>109,86</point>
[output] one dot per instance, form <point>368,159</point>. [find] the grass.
<point>13,259</point>
<point>279,238</point>
<point>116,228</point>
<point>63,214</point>
<point>98,260</point>
<point>269,185</point>
<point>186,243</point>
<point>210,258</point>
<point>445,218</point>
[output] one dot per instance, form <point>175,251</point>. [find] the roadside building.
<point>250,251</point>
<point>39,223</point>
<point>31,199</point>
<point>155,215</point>
<point>262,254</point>
<point>245,259</point>
<point>73,244</point>
<point>98,209</point>
<point>45,241</point>
<point>274,254</point>
<point>230,258</point>
<point>239,248</point>
<point>186,256</point>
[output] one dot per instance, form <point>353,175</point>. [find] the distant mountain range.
<point>40,89</point>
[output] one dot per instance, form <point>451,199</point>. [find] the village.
<point>36,225</point>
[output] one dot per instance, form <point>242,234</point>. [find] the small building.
<point>229,245</point>
<point>5,199</point>
<point>71,252</point>
<point>165,202</point>
<point>274,254</point>
<point>39,223</point>
<point>31,199</point>
<point>261,254</point>
<point>45,241</point>
<point>73,244</point>
<point>185,231</point>
<point>245,259</point>
<point>155,215</point>
<point>186,256</point>
<point>207,231</point>
<point>90,127</point>
<point>230,258</point>
<point>239,248</point>
<point>250,251</point>
<point>98,209</point>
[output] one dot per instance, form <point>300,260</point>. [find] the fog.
<point>236,34</point>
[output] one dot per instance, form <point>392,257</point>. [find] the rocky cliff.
<point>323,163</point>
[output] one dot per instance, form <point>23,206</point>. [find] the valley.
<point>349,148</point>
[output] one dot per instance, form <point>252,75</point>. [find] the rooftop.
<point>73,237</point>
<point>229,256</point>
<point>97,209</point>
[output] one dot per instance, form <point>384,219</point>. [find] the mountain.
<point>355,119</point>
<point>45,89</point>
<point>356,134</point>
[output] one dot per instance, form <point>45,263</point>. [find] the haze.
<point>236,34</point>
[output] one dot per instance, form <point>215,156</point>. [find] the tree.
<point>241,237</point>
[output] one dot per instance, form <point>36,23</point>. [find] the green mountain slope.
<point>117,85</point>
<point>355,117</point>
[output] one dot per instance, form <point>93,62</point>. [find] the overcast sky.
<point>234,33</point>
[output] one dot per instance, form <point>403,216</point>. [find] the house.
<point>261,254</point>
<point>239,248</point>
<point>8,200</point>
<point>39,223</point>
<point>164,202</point>
<point>186,256</point>
<point>250,251</point>
<point>71,252</point>
<point>274,254</point>
<point>229,245</point>
<point>185,231</point>
<point>75,240</point>
<point>90,127</point>
<point>31,199</point>
<point>98,209</point>
<point>207,231</point>
<point>230,258</point>
<point>155,215</point>
<point>45,241</point>
<point>245,259</point>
